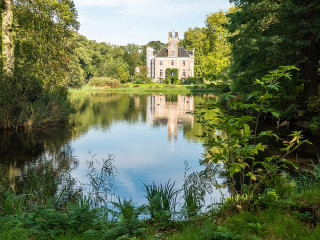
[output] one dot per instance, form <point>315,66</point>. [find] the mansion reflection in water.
<point>173,112</point>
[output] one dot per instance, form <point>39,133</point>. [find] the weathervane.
<point>173,26</point>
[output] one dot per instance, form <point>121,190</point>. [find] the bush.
<point>28,107</point>
<point>104,82</point>
<point>141,79</point>
<point>193,80</point>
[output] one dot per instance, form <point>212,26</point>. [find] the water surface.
<point>150,136</point>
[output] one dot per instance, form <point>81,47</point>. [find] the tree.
<point>219,49</point>
<point>133,60</point>
<point>7,39</point>
<point>212,50</point>
<point>156,45</point>
<point>37,44</point>
<point>196,39</point>
<point>270,33</point>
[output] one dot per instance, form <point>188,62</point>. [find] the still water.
<point>150,137</point>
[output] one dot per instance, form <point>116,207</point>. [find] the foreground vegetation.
<point>288,211</point>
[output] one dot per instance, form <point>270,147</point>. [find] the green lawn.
<point>145,88</point>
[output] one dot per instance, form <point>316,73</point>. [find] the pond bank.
<point>146,88</point>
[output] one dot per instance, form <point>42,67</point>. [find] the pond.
<point>150,137</point>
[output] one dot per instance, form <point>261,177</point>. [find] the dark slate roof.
<point>190,53</point>
<point>163,52</point>
<point>155,53</point>
<point>181,52</point>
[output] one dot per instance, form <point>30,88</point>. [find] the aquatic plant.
<point>162,200</point>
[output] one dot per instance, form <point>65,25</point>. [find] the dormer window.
<point>172,54</point>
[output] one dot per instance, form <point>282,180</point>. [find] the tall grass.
<point>162,200</point>
<point>307,179</point>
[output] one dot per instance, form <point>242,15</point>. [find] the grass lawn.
<point>145,88</point>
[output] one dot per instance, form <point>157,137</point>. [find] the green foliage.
<point>220,233</point>
<point>268,34</point>
<point>212,50</point>
<point>307,179</point>
<point>194,188</point>
<point>171,76</point>
<point>237,151</point>
<point>127,222</point>
<point>26,107</point>
<point>101,179</point>
<point>34,95</point>
<point>139,78</point>
<point>104,82</point>
<point>193,80</point>
<point>161,200</point>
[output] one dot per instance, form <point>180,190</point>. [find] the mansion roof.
<point>181,52</point>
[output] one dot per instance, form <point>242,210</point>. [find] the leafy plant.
<point>236,150</point>
<point>162,200</point>
<point>194,188</point>
<point>306,179</point>
<point>129,212</point>
<point>127,222</point>
<point>101,179</point>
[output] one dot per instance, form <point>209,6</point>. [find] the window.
<point>191,74</point>
<point>161,62</point>
<point>191,63</point>
<point>161,73</point>
<point>183,73</point>
<point>172,43</point>
<point>184,62</point>
<point>172,54</point>
<point>172,62</point>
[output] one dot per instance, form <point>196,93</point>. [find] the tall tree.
<point>212,50</point>
<point>7,38</point>
<point>195,38</point>
<point>271,33</point>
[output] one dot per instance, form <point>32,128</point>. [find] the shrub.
<point>193,80</point>
<point>104,82</point>
<point>141,79</point>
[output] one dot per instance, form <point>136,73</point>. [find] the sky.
<point>121,22</point>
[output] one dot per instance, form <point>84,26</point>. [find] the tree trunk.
<point>310,69</point>
<point>7,38</point>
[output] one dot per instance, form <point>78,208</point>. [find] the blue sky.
<point>139,21</point>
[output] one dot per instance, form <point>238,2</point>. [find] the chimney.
<point>176,34</point>
<point>170,34</point>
